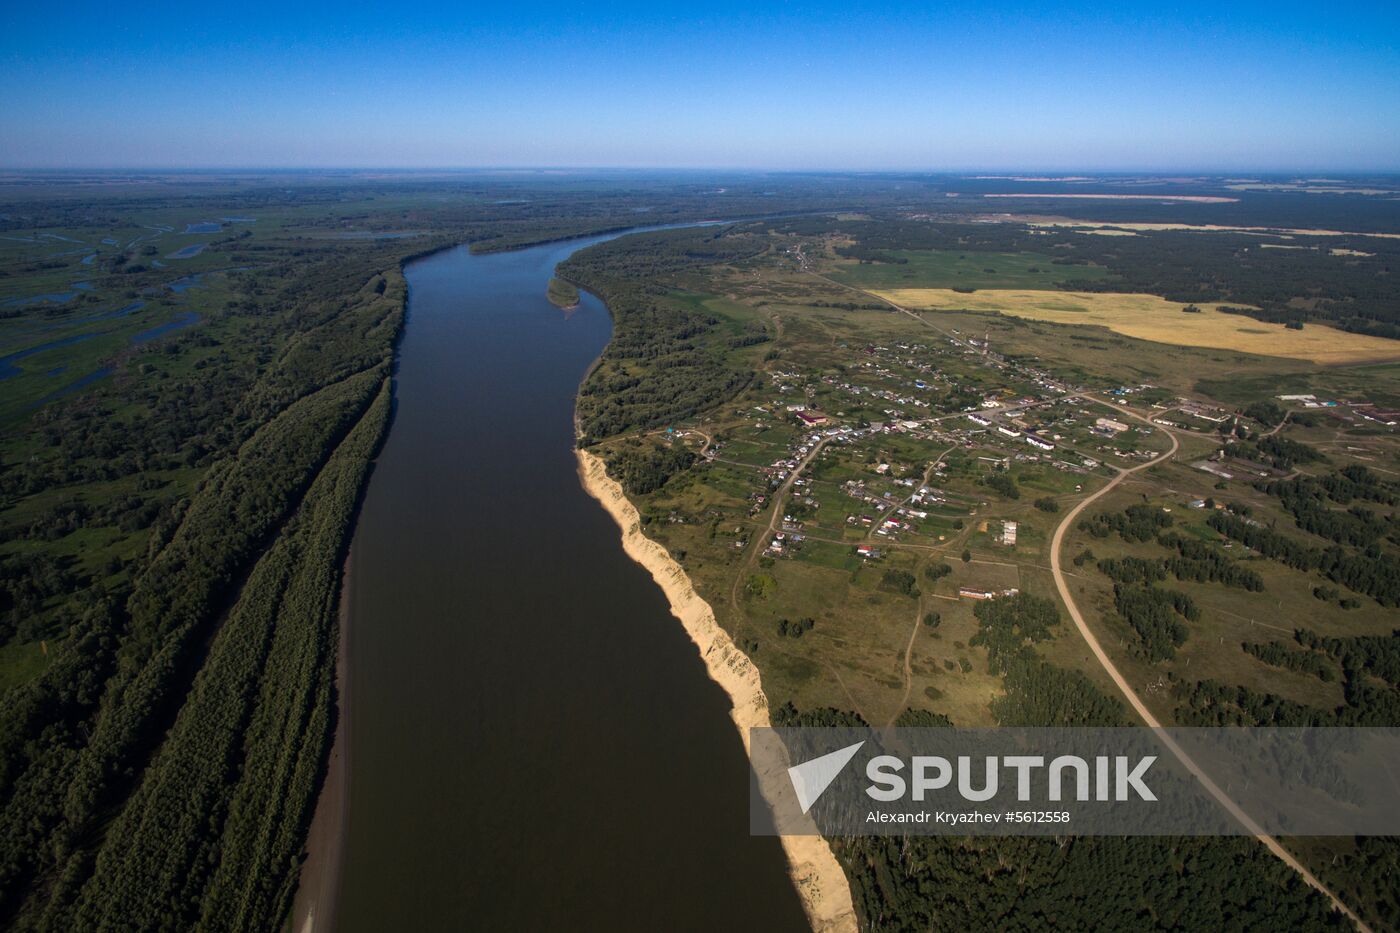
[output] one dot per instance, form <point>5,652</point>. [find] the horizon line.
<point>1021,173</point>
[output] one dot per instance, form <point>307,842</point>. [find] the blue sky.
<point>818,85</point>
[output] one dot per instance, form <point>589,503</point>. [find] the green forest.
<point>185,440</point>
<point>172,538</point>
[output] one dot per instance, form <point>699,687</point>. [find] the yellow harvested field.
<point>1149,317</point>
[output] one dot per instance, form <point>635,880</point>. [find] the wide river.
<point>533,740</point>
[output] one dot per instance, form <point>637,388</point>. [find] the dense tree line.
<point>1197,562</point>
<point>1004,484</point>
<point>1307,500</point>
<point>1133,569</point>
<point>1372,573</point>
<point>1370,667</point>
<point>1210,703</point>
<point>1155,614</point>
<point>666,361</point>
<point>27,582</point>
<point>92,735</point>
<point>646,467</point>
<point>900,581</point>
<point>1007,626</point>
<point>1377,655</point>
<point>1281,453</point>
<point>922,719</point>
<point>1293,659</point>
<point>1086,882</point>
<point>1136,523</point>
<point>262,700</point>
<point>1265,411</point>
<point>1037,693</point>
<point>826,717</point>
<point>1357,482</point>
<point>1200,562</point>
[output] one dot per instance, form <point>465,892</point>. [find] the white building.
<point>1008,533</point>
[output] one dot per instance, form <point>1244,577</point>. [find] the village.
<point>950,446</point>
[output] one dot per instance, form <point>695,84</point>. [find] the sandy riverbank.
<point>825,894</point>
<point>318,887</point>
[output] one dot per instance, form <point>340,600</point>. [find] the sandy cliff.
<point>826,896</point>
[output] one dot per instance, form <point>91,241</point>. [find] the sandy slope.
<point>825,894</point>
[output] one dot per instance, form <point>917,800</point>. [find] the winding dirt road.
<point>1244,819</point>
<point>1271,843</point>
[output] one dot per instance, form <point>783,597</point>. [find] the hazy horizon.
<point>1022,174</point>
<point>823,87</point>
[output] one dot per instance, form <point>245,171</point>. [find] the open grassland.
<point>1148,317</point>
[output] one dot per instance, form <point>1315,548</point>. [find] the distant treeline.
<point>1355,293</point>
<point>666,361</point>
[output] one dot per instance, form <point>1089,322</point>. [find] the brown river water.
<point>533,742</point>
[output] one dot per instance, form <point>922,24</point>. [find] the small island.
<point>562,294</point>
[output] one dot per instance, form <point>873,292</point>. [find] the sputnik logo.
<point>811,778</point>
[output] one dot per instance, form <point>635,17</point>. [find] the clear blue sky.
<point>817,85</point>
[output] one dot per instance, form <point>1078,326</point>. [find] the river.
<point>533,741</point>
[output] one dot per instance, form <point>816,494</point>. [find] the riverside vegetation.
<point>197,372</point>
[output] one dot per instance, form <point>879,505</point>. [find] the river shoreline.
<point>318,885</point>
<point>328,868</point>
<point>820,882</point>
